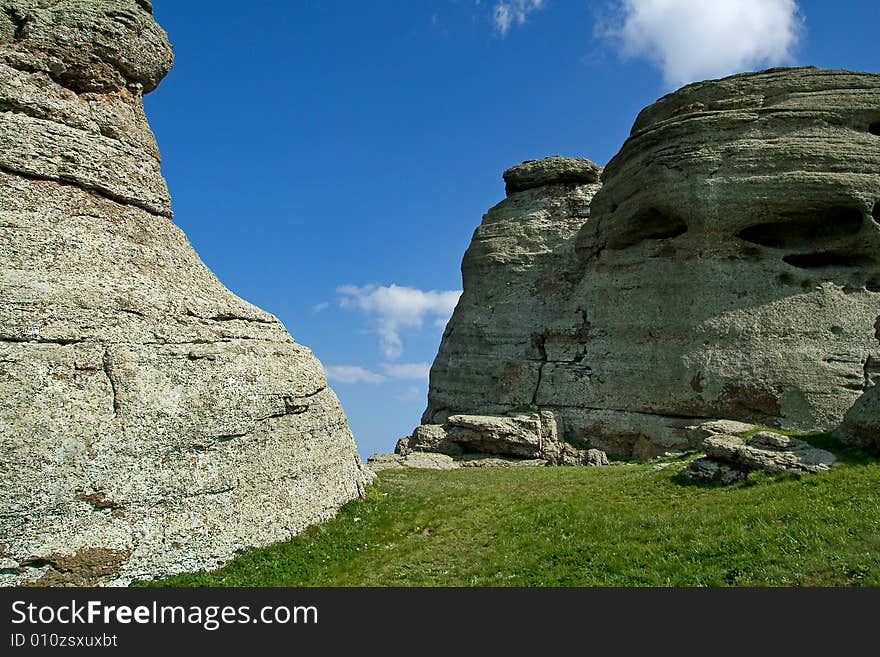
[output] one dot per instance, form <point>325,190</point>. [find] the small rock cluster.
<point>730,457</point>
<point>487,441</point>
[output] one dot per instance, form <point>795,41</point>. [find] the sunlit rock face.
<point>151,422</point>
<point>726,268</point>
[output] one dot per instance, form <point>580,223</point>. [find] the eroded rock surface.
<point>151,422</point>
<point>726,268</point>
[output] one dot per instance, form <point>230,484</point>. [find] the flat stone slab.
<point>414,460</point>
<point>697,434</point>
<point>483,461</point>
<point>549,171</point>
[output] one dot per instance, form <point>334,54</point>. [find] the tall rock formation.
<point>727,268</point>
<point>150,421</point>
<point>517,273</point>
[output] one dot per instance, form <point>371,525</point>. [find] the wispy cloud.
<point>351,374</point>
<point>393,308</point>
<point>411,394</point>
<point>508,13</point>
<point>320,307</point>
<point>693,40</point>
<point>391,371</point>
<point>418,371</point>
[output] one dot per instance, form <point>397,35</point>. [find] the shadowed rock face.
<point>727,268</point>
<point>151,421</point>
<point>861,424</point>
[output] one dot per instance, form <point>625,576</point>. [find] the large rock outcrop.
<point>517,274</point>
<point>726,268</point>
<point>150,421</point>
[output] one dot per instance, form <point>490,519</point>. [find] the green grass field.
<point>624,525</point>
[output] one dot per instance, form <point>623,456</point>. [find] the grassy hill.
<point>623,525</point>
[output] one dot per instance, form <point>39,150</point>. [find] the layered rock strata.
<point>151,421</point>
<point>726,268</point>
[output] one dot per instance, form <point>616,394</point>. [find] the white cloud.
<point>351,374</point>
<point>319,307</point>
<point>509,12</point>
<point>358,374</point>
<point>394,307</point>
<point>418,371</point>
<point>694,40</point>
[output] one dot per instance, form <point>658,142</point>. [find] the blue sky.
<point>330,159</point>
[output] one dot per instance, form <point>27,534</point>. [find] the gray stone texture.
<point>706,471</point>
<point>768,451</point>
<point>726,268</point>
<point>151,421</point>
<point>861,424</point>
<point>532,437</point>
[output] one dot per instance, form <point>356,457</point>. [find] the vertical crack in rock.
<point>19,20</point>
<point>107,362</point>
<point>540,342</point>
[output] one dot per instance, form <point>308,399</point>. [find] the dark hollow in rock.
<point>875,212</point>
<point>827,259</point>
<point>874,128</point>
<point>652,224</point>
<point>805,230</point>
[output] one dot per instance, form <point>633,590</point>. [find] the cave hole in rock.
<point>805,229</point>
<point>827,259</point>
<point>875,212</point>
<point>650,224</point>
<point>874,128</point>
<point>873,284</point>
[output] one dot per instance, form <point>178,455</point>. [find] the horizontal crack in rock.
<point>91,189</point>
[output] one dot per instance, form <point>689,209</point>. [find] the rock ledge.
<point>551,170</point>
